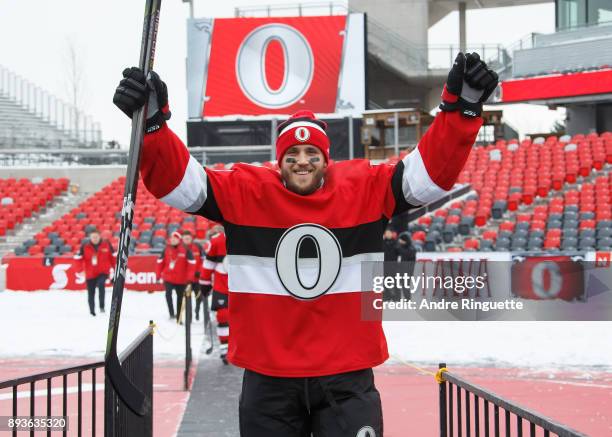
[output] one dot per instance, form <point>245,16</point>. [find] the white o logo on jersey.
<point>366,431</point>
<point>316,275</point>
<point>302,134</point>
<point>537,279</point>
<point>251,66</point>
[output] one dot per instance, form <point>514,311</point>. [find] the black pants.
<point>195,287</point>
<point>180,290</point>
<point>92,284</point>
<point>343,405</point>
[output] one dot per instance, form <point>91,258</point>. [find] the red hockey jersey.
<point>95,260</point>
<point>176,264</point>
<point>214,266</point>
<point>294,262</point>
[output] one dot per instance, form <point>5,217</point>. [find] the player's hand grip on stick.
<point>134,90</point>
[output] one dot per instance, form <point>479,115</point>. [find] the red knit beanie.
<point>302,128</point>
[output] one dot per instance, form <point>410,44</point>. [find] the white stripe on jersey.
<point>244,268</point>
<point>223,331</point>
<point>417,185</point>
<point>190,194</point>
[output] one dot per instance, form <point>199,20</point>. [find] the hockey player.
<point>95,257</point>
<point>176,268</point>
<point>214,277</point>
<point>197,252</point>
<point>295,242</point>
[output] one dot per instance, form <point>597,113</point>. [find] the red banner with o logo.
<point>276,65</point>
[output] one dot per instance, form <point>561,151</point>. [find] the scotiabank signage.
<point>31,274</point>
<point>262,66</point>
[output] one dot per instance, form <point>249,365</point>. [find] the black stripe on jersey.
<point>260,241</point>
<point>210,209</point>
<point>215,259</point>
<point>398,193</point>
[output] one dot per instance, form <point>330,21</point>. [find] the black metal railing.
<point>137,362</point>
<point>465,410</point>
<point>24,397</point>
<point>35,396</point>
<point>188,354</point>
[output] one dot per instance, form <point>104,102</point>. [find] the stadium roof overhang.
<point>440,8</point>
<point>557,89</point>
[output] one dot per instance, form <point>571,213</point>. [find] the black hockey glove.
<point>470,83</point>
<point>134,89</point>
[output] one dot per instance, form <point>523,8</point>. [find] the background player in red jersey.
<point>198,252</point>
<point>214,277</point>
<point>95,257</point>
<point>176,268</point>
<point>295,244</point>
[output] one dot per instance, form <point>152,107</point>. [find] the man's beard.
<point>303,190</point>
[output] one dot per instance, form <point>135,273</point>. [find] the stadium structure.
<point>544,196</point>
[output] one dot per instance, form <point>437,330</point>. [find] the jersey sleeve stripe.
<point>417,186</point>
<point>190,194</point>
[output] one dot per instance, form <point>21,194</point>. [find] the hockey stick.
<point>179,319</point>
<point>207,323</point>
<point>129,394</point>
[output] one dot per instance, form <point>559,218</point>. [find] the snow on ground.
<point>58,323</point>
<point>501,343</point>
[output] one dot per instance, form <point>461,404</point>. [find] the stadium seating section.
<point>153,223</point>
<point>20,198</point>
<point>547,194</point>
<point>543,195</point>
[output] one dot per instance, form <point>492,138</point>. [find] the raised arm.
<point>431,170</point>
<point>168,171</point>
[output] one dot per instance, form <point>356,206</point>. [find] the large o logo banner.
<point>262,66</point>
<point>251,66</point>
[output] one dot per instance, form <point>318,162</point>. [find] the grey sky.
<point>34,35</point>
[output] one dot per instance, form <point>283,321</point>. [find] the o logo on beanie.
<point>302,134</point>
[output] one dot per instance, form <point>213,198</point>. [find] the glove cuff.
<point>470,109</point>
<point>466,108</point>
<point>157,121</point>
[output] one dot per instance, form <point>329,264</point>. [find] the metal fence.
<point>187,304</point>
<point>137,362</point>
<point>80,157</point>
<point>469,410</point>
<point>82,418</point>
